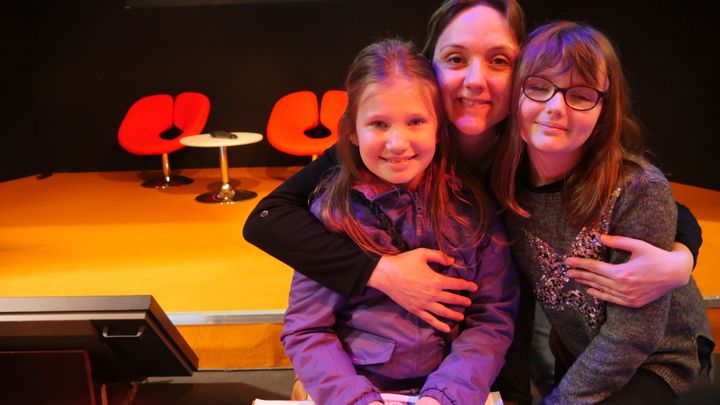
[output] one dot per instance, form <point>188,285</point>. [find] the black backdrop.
<point>71,69</point>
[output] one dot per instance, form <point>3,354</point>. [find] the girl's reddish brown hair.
<point>383,62</point>
<point>564,46</point>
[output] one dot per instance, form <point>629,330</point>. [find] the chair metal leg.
<point>167,180</point>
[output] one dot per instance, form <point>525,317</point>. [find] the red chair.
<point>296,113</point>
<point>148,118</point>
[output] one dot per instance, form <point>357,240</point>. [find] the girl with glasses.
<point>573,170</point>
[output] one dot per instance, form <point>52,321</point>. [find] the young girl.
<point>582,175</point>
<point>397,188</point>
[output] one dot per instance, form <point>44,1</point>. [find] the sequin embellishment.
<point>550,288</point>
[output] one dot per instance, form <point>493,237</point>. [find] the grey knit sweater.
<point>609,341</point>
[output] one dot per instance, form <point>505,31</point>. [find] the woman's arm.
<point>409,281</point>
<point>650,273</point>
<point>689,232</point>
<point>283,226</point>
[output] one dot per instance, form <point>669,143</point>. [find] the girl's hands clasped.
<point>408,280</point>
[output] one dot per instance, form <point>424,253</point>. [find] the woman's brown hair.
<point>564,46</point>
<point>447,12</point>
<point>444,16</point>
<point>383,62</point>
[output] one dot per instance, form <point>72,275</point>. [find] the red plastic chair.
<point>296,113</point>
<point>148,118</point>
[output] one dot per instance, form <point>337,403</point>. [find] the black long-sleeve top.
<point>283,226</point>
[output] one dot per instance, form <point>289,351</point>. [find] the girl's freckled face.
<point>396,131</point>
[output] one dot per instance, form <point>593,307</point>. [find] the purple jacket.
<point>346,350</point>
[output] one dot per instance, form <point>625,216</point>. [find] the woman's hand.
<point>650,273</point>
<point>427,401</point>
<point>408,280</point>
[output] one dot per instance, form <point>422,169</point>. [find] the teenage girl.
<point>576,151</point>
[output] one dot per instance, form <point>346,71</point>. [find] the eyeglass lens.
<point>577,97</point>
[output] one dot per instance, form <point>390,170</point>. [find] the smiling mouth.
<point>473,103</point>
<point>398,160</point>
<point>552,126</point>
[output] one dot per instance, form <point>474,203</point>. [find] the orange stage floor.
<point>103,234</point>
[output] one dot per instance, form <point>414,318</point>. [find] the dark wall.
<point>668,50</point>
<point>73,69</point>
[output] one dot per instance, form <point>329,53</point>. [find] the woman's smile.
<point>474,103</point>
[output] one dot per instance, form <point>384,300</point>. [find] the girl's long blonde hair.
<point>382,62</point>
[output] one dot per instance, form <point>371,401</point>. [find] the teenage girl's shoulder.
<point>639,173</point>
<point>645,208</point>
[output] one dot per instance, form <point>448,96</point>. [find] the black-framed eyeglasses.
<point>580,98</point>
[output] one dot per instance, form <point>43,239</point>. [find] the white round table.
<point>227,194</point>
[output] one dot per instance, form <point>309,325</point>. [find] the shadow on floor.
<point>220,387</point>
<point>241,387</point>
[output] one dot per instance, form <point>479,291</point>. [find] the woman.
<point>573,169</point>
<point>473,46</point>
<point>282,225</point>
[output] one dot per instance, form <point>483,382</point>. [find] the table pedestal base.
<point>165,182</point>
<point>226,195</point>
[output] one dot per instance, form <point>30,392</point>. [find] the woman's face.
<point>473,60</point>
